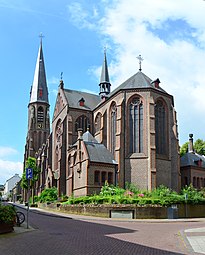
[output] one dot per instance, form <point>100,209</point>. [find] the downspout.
<point>124,132</point>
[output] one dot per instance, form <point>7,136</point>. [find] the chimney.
<point>191,146</point>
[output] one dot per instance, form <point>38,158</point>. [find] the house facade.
<point>192,167</point>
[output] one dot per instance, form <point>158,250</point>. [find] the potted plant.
<point>7,218</point>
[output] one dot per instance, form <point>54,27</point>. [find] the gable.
<point>61,102</point>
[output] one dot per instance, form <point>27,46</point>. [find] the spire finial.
<point>41,36</point>
<point>105,49</point>
<point>61,75</point>
<point>140,62</point>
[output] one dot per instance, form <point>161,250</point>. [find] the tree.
<point>30,163</point>
<point>199,147</point>
<point>184,149</point>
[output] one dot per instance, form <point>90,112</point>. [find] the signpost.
<point>29,173</point>
<point>29,176</point>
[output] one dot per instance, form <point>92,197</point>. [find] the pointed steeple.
<point>104,79</point>
<point>39,90</point>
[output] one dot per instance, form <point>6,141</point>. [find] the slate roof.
<point>190,159</point>
<point>97,152</point>
<point>138,80</point>
<point>73,97</point>
<point>39,81</point>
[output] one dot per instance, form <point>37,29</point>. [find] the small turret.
<point>104,80</point>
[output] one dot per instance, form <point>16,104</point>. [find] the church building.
<point>128,134</point>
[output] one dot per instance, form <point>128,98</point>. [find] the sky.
<point>170,36</point>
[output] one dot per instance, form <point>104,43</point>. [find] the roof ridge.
<point>81,92</point>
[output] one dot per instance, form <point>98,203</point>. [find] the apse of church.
<point>128,134</point>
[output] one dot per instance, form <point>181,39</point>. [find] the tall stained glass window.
<point>136,125</point>
<point>161,128</point>
<point>113,127</point>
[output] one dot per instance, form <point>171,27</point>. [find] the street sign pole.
<point>29,177</point>
<point>28,203</point>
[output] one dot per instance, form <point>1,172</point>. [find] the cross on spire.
<point>140,62</point>
<point>41,37</point>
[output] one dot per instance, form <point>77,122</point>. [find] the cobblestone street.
<point>55,234</point>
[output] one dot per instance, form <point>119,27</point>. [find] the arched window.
<point>40,114</point>
<point>69,166</point>
<point>113,127</point>
<point>136,125</point>
<point>161,130</point>
<point>58,132</point>
<point>98,122</point>
<point>82,122</point>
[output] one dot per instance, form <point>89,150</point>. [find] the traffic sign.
<point>29,173</point>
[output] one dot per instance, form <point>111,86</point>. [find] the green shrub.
<point>97,199</point>
<point>132,195</point>
<point>131,187</point>
<point>110,190</point>
<point>49,195</point>
<point>7,214</point>
<point>191,193</point>
<point>162,191</point>
<point>36,199</point>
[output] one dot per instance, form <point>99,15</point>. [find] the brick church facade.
<point>125,135</point>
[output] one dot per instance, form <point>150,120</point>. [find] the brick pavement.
<point>90,235</point>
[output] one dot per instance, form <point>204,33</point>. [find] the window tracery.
<point>113,127</point>
<point>161,128</point>
<point>136,125</point>
<point>82,122</point>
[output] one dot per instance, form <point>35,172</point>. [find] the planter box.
<point>6,228</point>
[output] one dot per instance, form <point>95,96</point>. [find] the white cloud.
<point>8,169</point>
<point>80,16</point>
<point>6,151</point>
<point>170,35</point>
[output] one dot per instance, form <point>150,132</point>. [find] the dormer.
<point>156,83</point>
<point>82,102</point>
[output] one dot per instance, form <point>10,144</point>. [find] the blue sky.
<point>170,35</point>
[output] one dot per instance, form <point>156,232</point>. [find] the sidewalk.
<point>196,238</point>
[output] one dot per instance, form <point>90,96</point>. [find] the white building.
<point>10,184</point>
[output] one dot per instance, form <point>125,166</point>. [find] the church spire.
<point>104,79</point>
<point>39,90</point>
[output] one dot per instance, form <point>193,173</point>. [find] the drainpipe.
<point>124,132</point>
